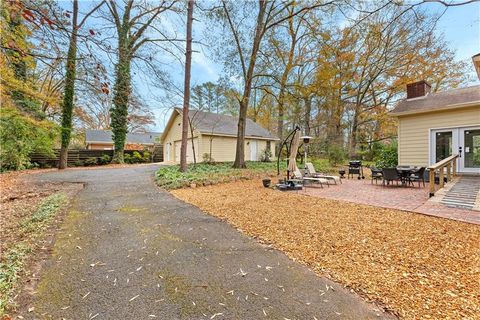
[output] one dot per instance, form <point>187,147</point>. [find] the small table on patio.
<point>404,172</point>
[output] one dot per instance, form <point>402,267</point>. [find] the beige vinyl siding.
<point>173,134</point>
<point>414,131</point>
<point>223,148</point>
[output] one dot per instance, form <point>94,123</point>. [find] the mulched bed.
<point>415,265</point>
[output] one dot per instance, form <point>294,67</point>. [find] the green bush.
<point>90,161</point>
<point>78,163</point>
<point>336,155</point>
<point>146,156</point>
<point>388,158</point>
<point>127,158</point>
<point>105,159</point>
<point>137,157</point>
<point>21,135</point>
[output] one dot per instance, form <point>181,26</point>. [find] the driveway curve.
<point>129,250</point>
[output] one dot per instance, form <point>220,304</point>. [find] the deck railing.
<point>450,164</point>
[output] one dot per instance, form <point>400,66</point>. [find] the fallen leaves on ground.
<point>416,265</point>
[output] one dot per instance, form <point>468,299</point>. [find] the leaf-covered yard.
<point>415,265</point>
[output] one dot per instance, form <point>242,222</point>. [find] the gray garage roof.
<point>221,124</point>
<point>105,136</point>
<point>454,98</point>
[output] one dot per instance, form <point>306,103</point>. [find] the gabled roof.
<point>450,99</point>
<point>221,124</point>
<point>105,136</point>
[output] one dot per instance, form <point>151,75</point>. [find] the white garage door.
<point>189,150</point>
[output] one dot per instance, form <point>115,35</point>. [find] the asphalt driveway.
<point>128,250</point>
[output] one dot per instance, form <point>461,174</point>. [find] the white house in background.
<point>214,135</point>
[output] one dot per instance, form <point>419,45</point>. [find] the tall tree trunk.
<point>67,106</point>
<point>121,97</point>
<point>283,81</point>
<point>242,116</point>
<point>308,111</point>
<point>186,94</point>
<point>354,132</point>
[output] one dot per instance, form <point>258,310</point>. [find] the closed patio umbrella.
<point>292,164</point>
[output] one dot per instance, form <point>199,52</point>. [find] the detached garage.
<point>215,136</point>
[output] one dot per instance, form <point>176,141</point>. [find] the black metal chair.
<point>377,174</point>
<point>355,167</point>
<point>390,175</point>
<point>417,175</point>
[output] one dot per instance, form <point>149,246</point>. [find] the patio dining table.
<point>404,172</point>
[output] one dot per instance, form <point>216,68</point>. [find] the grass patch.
<point>203,173</point>
<point>14,259</point>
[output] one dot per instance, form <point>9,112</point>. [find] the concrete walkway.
<point>128,250</point>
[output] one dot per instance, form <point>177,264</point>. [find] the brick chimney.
<point>418,89</point>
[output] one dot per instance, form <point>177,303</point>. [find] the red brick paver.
<point>394,197</point>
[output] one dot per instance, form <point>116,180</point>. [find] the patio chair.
<point>355,167</point>
<point>390,175</point>
<point>417,175</point>
<point>377,174</point>
<point>298,175</point>
<point>312,173</point>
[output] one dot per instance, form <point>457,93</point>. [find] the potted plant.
<point>266,182</point>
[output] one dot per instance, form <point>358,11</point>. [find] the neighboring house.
<point>433,126</point>
<point>102,140</point>
<point>214,136</point>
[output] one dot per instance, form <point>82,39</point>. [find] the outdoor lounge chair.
<point>298,175</point>
<point>390,175</point>
<point>314,174</point>
<point>377,174</point>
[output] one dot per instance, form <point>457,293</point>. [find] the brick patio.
<point>394,197</point>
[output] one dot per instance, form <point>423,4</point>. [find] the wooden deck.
<point>464,193</point>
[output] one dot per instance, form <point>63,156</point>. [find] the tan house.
<point>214,136</point>
<point>102,140</point>
<point>433,126</point>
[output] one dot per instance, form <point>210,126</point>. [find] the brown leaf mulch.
<point>416,265</point>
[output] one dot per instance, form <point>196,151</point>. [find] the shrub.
<point>206,158</point>
<point>266,155</point>
<point>78,163</point>
<point>136,157</point>
<point>146,156</point>
<point>90,161</point>
<point>388,158</point>
<point>127,158</point>
<point>336,155</point>
<point>105,159</point>
<point>21,135</point>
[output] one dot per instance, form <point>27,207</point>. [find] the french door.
<point>470,147</point>
<point>462,141</point>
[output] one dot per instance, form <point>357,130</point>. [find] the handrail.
<point>450,163</point>
<point>443,163</point>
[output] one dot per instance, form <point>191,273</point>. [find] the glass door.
<point>444,142</point>
<point>470,144</point>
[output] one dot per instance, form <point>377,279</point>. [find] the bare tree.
<point>186,94</point>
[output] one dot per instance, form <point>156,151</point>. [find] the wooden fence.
<point>78,156</point>
<point>450,165</point>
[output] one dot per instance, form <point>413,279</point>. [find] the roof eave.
<point>209,133</point>
<point>449,107</point>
